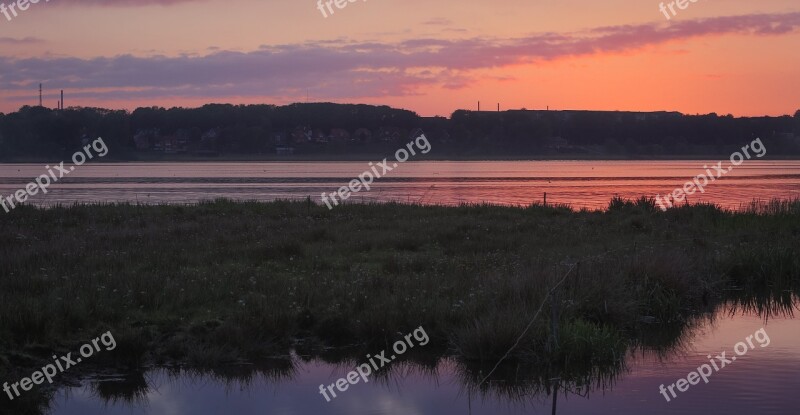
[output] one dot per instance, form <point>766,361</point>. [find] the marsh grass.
<point>221,282</point>
<point>130,389</point>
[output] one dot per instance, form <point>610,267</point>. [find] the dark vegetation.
<point>35,133</point>
<point>208,286</point>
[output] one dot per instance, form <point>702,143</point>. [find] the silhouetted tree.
<point>46,133</point>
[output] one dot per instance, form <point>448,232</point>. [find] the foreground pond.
<point>764,380</point>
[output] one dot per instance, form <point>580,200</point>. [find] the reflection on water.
<point>764,381</point>
<point>589,184</point>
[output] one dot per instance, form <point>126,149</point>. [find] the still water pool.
<point>765,380</point>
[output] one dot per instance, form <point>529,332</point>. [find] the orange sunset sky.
<point>433,57</point>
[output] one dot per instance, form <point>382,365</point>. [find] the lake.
<point>581,184</point>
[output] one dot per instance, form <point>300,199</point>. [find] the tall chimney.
<point>479,106</point>
<point>40,95</point>
<point>62,99</point>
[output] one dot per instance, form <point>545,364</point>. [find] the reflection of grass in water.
<point>130,389</point>
<point>775,303</point>
<point>522,383</point>
<point>243,375</point>
<point>664,341</point>
<point>764,281</point>
<point>29,403</point>
<point>589,357</point>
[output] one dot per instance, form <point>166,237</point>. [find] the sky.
<point>739,57</point>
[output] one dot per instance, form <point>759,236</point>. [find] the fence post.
<point>554,319</point>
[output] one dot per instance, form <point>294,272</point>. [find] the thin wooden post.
<point>554,319</point>
<point>555,397</point>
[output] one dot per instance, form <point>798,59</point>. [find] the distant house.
<point>280,139</point>
<point>556,143</point>
<point>319,137</point>
<point>168,145</point>
<point>208,143</point>
<point>182,136</point>
<point>301,135</point>
<point>362,135</point>
<point>212,134</point>
<point>389,134</point>
<point>171,144</point>
<point>284,150</point>
<point>339,135</point>
<point>145,139</point>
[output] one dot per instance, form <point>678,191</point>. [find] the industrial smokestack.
<point>62,99</point>
<point>40,95</point>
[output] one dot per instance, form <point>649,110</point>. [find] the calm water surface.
<point>764,381</point>
<point>588,184</point>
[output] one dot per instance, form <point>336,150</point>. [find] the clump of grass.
<point>773,207</point>
<point>130,389</point>
<point>582,343</point>
<point>642,205</point>
<point>764,280</point>
<point>489,338</point>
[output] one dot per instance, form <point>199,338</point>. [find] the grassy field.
<point>207,285</point>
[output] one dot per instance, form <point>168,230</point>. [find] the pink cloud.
<point>124,3</point>
<point>351,69</point>
<point>20,41</point>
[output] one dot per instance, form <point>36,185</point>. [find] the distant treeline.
<point>338,130</point>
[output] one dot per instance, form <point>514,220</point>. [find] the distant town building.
<point>339,135</point>
<point>145,139</point>
<point>362,135</point>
